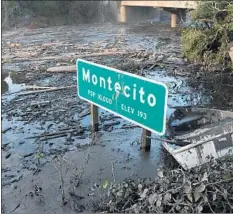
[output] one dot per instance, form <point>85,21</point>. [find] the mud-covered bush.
<point>209,38</point>
<point>204,189</point>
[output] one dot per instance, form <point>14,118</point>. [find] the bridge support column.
<point>173,20</point>
<point>122,15</point>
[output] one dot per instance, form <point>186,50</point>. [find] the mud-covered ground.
<point>51,162</point>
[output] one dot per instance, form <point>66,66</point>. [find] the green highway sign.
<point>137,99</point>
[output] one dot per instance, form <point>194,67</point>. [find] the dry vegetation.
<point>207,189</point>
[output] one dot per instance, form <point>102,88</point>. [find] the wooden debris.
<point>47,90</point>
<point>106,53</point>
<point>70,56</point>
<point>57,134</point>
<point>35,87</point>
<point>6,130</point>
<point>71,68</point>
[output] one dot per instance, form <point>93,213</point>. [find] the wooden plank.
<point>146,140</point>
<point>70,68</point>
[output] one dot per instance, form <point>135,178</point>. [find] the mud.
<point>46,138</point>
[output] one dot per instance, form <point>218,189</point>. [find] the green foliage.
<point>105,185</point>
<point>210,43</point>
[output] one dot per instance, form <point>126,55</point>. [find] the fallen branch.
<point>18,205</point>
<point>6,130</point>
<point>47,90</point>
<point>52,137</point>
<point>38,87</point>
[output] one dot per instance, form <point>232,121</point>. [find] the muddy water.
<point>114,151</point>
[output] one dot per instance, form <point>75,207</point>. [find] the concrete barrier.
<point>231,53</point>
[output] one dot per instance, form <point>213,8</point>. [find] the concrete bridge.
<point>174,7</point>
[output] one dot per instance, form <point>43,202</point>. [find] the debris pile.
<point>205,189</point>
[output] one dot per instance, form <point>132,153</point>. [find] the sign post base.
<point>94,118</point>
<point>146,140</point>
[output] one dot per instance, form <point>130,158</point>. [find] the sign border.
<point>135,76</point>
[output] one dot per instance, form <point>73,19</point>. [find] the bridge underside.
<point>164,4</point>
<point>174,7</point>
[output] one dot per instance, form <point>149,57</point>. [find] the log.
<point>47,90</point>
<point>71,68</point>
<point>107,53</point>
<point>42,103</point>
<point>52,137</point>
<point>38,87</point>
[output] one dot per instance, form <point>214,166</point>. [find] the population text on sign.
<point>134,98</point>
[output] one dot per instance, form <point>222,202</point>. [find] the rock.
<point>7,169</point>
<point>69,135</point>
<point>198,75</point>
<point>84,113</point>
<point>139,187</point>
<point>8,155</point>
<point>68,143</point>
<point>9,176</point>
<point>175,60</point>
<point>6,147</point>
<point>55,151</point>
<point>106,125</point>
<point>112,123</point>
<point>31,194</point>
<point>21,142</point>
<point>109,129</point>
